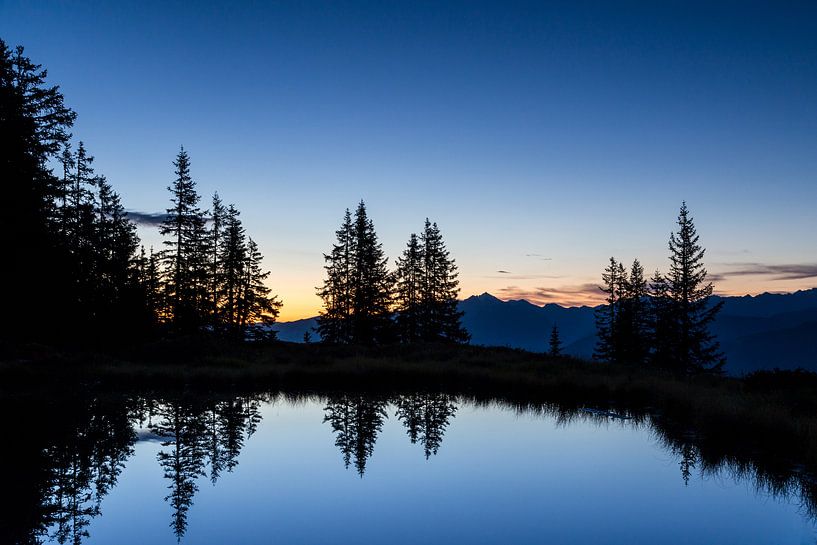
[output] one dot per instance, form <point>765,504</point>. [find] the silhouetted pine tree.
<point>232,258</point>
<point>99,243</point>
<point>34,124</point>
<point>68,163</point>
<point>81,238</point>
<point>371,296</point>
<point>258,309</point>
<point>185,256</point>
<point>440,317</point>
<point>149,283</point>
<point>555,343</point>
<point>695,348</point>
<point>608,326</point>
<point>409,288</point>
<point>335,320</point>
<point>358,288</point>
<point>634,320</point>
<point>662,323</point>
<point>217,218</point>
<point>117,283</point>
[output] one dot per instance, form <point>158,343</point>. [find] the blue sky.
<point>542,138</point>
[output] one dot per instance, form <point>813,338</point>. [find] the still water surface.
<point>424,468</point>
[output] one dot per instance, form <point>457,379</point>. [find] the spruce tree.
<point>441,321</point>
<point>115,245</point>
<point>335,320</point>
<point>634,317</point>
<point>357,291</point>
<point>372,285</point>
<point>662,324</point>
<point>232,258</point>
<point>410,284</point>
<point>608,323</point>
<point>217,217</point>
<point>555,343</point>
<point>185,235</point>
<point>258,308</point>
<point>696,349</point>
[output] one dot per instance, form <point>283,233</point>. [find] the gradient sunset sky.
<point>541,137</point>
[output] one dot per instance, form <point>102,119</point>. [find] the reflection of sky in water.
<point>499,477</point>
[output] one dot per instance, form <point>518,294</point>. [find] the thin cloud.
<point>587,294</point>
<point>789,271</point>
<point>539,256</point>
<point>148,219</point>
<point>510,276</point>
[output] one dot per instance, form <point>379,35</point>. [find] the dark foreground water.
<point>424,468</point>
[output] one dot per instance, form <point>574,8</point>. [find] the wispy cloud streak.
<point>575,295</point>
<point>148,219</point>
<point>789,271</point>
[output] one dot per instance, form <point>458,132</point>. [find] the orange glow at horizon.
<point>301,303</point>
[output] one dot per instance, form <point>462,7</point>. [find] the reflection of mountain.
<point>764,331</point>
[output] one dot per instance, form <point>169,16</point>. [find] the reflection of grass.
<point>772,416</point>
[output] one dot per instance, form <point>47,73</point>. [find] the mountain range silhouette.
<point>765,331</point>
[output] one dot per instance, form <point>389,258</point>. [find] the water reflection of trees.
<point>707,455</point>
<point>356,421</point>
<point>64,455</point>
<point>200,437</point>
<point>61,460</point>
<point>68,453</point>
<point>426,417</point>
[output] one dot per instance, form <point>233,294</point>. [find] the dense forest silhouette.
<point>78,262</point>
<point>70,450</point>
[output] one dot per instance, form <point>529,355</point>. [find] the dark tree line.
<point>75,258</point>
<point>209,275</point>
<point>663,322</point>
<point>365,303</point>
<point>69,242</point>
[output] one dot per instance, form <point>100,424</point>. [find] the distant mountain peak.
<point>484,296</point>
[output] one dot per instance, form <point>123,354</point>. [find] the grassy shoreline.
<point>769,416</point>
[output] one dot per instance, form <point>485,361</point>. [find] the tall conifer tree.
<point>184,231</point>
<point>357,291</point>
<point>634,317</point>
<point>233,257</point>
<point>409,289</point>
<point>217,216</point>
<point>258,308</point>
<point>696,348</point>
<point>335,320</point>
<point>608,322</point>
<point>372,287</point>
<point>441,319</point>
<point>662,323</point>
